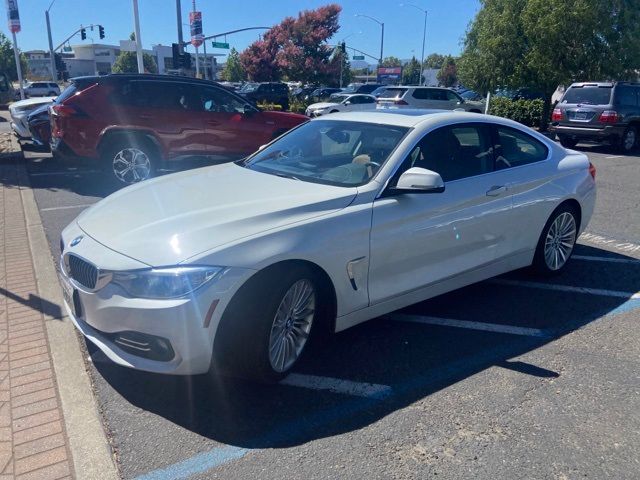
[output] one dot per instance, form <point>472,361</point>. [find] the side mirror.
<point>262,147</point>
<point>248,110</point>
<point>419,180</point>
<point>347,102</point>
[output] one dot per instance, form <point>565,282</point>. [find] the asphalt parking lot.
<point>512,378</point>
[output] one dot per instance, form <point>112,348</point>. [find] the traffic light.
<point>83,34</point>
<point>186,61</point>
<point>343,47</point>
<point>175,54</point>
<point>60,65</point>
<point>101,31</point>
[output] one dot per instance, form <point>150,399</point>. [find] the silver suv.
<point>42,89</point>
<point>427,97</point>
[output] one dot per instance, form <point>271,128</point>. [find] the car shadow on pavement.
<point>415,360</point>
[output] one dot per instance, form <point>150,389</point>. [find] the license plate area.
<point>71,297</point>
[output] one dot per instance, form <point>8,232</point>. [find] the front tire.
<point>556,242</point>
<point>267,325</point>
<point>130,160</point>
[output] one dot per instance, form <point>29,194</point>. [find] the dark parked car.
<point>362,87</point>
<point>598,111</point>
<point>323,93</point>
<point>266,92</point>
<point>132,122</point>
<point>40,126</point>
<point>302,93</point>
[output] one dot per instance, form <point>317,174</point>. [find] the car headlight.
<point>169,282</point>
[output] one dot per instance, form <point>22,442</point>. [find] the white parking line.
<point>614,156</point>
<point>68,207</point>
<point>337,385</point>
<point>610,242</point>
<point>566,288</point>
<point>448,322</point>
<point>590,258</point>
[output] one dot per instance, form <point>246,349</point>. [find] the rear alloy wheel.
<point>629,139</point>
<point>567,142</point>
<point>557,241</point>
<point>130,162</point>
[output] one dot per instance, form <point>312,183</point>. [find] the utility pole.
<point>136,22</point>
<point>206,69</point>
<point>196,45</point>
<point>54,72</point>
<point>179,17</point>
<point>18,66</point>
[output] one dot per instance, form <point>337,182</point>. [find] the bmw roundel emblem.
<point>76,241</point>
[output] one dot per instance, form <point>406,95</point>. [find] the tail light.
<point>592,170</point>
<point>556,116</point>
<point>608,116</point>
<point>65,111</point>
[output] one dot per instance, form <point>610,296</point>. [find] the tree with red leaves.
<point>296,48</point>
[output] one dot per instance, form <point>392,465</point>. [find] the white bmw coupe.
<point>235,267</point>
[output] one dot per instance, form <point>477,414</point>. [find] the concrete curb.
<point>90,450</point>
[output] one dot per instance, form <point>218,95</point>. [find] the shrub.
<point>527,112</point>
<point>298,106</point>
<point>270,106</point>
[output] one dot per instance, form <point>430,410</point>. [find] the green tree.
<point>233,71</point>
<point>411,73</point>
<point>448,74</point>
<point>391,62</point>
<point>127,62</point>
<point>434,60</point>
<point>546,43</point>
<point>8,59</point>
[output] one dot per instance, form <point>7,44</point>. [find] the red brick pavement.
<point>33,441</point>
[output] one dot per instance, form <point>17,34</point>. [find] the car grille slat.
<point>82,271</point>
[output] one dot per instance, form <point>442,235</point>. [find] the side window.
<point>421,94</point>
<point>368,100</point>
<point>455,152</point>
<point>165,95</point>
<point>516,148</point>
<point>452,97</point>
<point>627,96</point>
<point>356,100</point>
<point>219,101</point>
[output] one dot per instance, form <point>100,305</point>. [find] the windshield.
<point>337,97</point>
<point>249,87</point>
<point>351,88</point>
<point>591,95</point>
<point>470,95</point>
<point>331,152</point>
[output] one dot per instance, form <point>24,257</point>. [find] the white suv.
<point>427,97</point>
<point>42,89</point>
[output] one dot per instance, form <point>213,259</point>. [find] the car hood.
<point>170,219</point>
<point>315,106</point>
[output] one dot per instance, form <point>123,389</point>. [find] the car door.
<point>232,131</point>
<point>352,104</point>
<point>421,239</point>
<point>162,108</point>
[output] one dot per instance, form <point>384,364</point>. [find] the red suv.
<point>132,122</point>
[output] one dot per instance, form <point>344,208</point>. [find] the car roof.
<point>142,76</point>
<point>411,118</point>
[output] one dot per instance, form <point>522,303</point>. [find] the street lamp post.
<point>382,35</point>
<point>136,24</point>
<point>54,72</point>
<point>424,34</point>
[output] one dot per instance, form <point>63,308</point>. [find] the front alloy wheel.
<point>560,241</point>
<point>292,325</point>
<point>131,165</point>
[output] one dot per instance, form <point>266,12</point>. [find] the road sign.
<point>358,57</point>
<point>67,49</point>
<point>219,45</point>
<point>13,16</point>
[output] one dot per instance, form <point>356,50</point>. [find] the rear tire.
<point>556,242</point>
<point>130,159</point>
<point>629,140</point>
<point>567,142</point>
<point>260,323</point>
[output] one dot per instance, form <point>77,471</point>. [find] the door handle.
<point>496,190</point>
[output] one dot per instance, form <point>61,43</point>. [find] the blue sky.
<point>447,22</point>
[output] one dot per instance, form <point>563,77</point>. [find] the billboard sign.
<point>388,75</point>
<point>13,16</point>
<point>195,21</point>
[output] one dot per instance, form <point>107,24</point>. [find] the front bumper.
<point>596,134</point>
<point>188,324</point>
